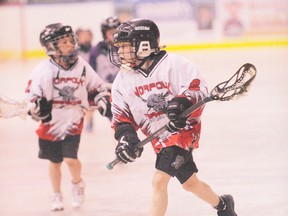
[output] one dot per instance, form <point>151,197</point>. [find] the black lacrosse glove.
<point>42,110</point>
<point>102,100</point>
<point>174,109</point>
<point>126,150</point>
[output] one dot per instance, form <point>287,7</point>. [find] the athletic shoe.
<point>78,194</point>
<point>57,202</point>
<point>226,206</point>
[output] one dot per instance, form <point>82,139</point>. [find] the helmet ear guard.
<point>144,50</point>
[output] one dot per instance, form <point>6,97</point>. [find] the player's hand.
<point>126,150</point>
<point>174,109</point>
<point>42,110</point>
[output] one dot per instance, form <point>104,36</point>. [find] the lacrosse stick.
<point>10,108</point>
<point>233,88</point>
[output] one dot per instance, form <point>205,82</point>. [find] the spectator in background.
<point>84,39</point>
<point>99,59</point>
<point>233,26</point>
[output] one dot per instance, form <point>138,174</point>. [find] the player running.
<point>151,89</point>
<point>62,88</point>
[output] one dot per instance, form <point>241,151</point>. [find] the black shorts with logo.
<point>177,162</point>
<point>55,151</point>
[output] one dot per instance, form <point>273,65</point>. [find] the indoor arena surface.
<point>243,149</point>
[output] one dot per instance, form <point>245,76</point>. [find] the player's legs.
<point>160,193</point>
<point>53,151</point>
<point>55,176</point>
<point>169,161</point>
<point>201,190</point>
<point>70,148</point>
<point>223,204</point>
<point>75,167</point>
<point>55,179</point>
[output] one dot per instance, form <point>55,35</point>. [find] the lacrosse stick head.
<point>237,85</point>
<point>10,108</point>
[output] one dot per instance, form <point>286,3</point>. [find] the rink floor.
<point>243,149</point>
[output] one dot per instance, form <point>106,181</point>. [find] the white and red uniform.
<point>142,101</point>
<point>69,91</point>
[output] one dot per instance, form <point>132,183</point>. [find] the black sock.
<point>221,205</point>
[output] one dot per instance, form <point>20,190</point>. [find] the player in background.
<point>99,54</point>
<point>151,89</point>
<point>62,87</point>
<point>99,59</point>
<point>84,41</point>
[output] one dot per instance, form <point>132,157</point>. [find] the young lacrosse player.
<point>151,89</point>
<point>99,54</point>
<point>62,87</point>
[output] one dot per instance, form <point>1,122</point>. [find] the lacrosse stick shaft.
<point>158,132</point>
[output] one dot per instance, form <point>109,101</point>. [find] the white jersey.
<point>142,101</point>
<point>69,90</point>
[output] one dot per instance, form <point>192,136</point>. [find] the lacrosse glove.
<point>102,100</point>
<point>174,109</point>
<point>127,138</point>
<point>42,110</point>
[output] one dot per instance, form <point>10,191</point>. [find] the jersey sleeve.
<point>120,108</point>
<point>39,83</point>
<point>94,81</point>
<point>190,84</point>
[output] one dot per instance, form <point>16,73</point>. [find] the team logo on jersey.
<point>156,104</point>
<point>66,92</point>
<point>140,90</point>
<point>75,80</point>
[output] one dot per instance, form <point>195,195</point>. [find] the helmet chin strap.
<point>145,56</point>
<point>143,61</point>
<point>155,58</point>
<point>144,72</point>
<point>130,66</point>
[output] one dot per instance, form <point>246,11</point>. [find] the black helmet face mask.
<point>60,43</point>
<point>124,55</point>
<point>65,49</point>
